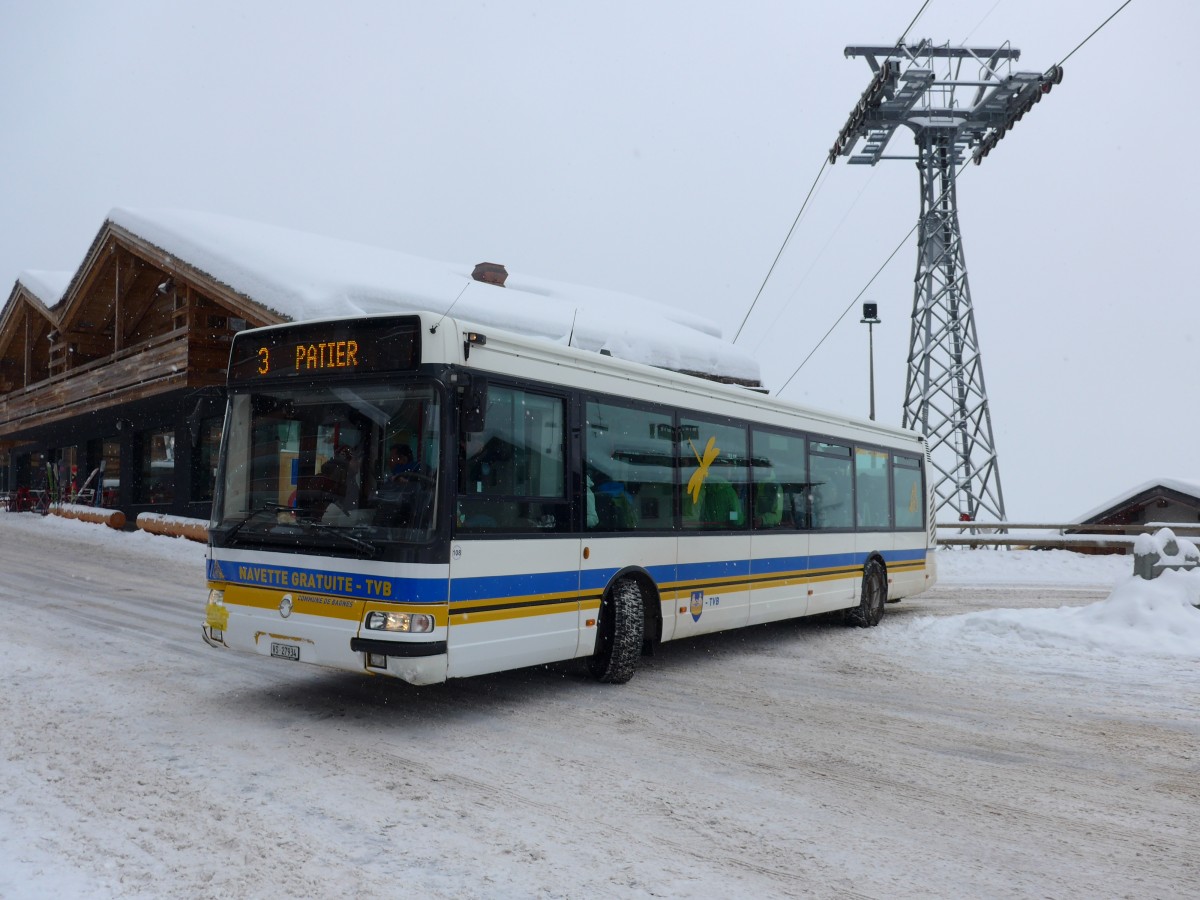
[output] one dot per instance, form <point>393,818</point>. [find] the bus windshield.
<point>343,468</point>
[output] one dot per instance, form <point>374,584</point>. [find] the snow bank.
<point>86,541</point>
<point>987,566</point>
<point>1138,618</point>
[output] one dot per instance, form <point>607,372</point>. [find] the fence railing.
<point>1053,535</point>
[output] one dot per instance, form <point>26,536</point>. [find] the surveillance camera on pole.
<point>871,319</point>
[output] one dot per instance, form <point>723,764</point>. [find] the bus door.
<point>514,559</point>
<point>629,505</point>
<point>779,490</point>
<point>835,568</point>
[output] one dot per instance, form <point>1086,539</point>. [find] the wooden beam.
<point>28,347</point>
<point>118,339</point>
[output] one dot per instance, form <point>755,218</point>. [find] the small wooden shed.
<point>1167,502</point>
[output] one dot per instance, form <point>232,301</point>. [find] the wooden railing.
<point>137,371</point>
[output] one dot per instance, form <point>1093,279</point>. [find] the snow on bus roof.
<point>306,276</point>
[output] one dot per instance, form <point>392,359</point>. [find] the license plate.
<point>285,651</point>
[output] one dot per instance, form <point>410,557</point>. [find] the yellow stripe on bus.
<point>308,604</point>
<point>519,612</point>
<point>492,609</point>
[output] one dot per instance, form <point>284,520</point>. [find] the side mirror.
<point>473,406</point>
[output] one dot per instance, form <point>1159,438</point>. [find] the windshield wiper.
<point>254,514</point>
<point>325,530</point>
<point>348,540</point>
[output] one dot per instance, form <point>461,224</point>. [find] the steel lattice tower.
<point>944,395</point>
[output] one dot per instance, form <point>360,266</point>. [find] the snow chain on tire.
<point>619,640</point>
<point>874,597</point>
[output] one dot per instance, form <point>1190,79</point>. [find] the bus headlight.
<point>408,623</point>
<point>216,615</point>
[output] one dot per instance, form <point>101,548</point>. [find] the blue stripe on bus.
<point>487,587</point>
<point>329,582</point>
<point>596,580</point>
<point>779,564</point>
<point>905,555</point>
<point>712,571</point>
<point>494,587</point>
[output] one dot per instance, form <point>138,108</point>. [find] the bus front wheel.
<point>874,595</point>
<point>619,638</point>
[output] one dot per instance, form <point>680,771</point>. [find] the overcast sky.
<point>664,149</point>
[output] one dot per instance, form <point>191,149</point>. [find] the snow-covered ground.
<point>1027,728</point>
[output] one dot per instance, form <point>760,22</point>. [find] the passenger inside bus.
<point>768,504</point>
<point>616,509</point>
<point>401,464</point>
<point>720,505</point>
<point>405,496</point>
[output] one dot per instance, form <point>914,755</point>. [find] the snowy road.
<point>792,760</point>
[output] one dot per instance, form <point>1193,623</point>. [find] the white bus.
<point>430,501</point>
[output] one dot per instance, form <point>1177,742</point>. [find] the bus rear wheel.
<point>619,638</point>
<point>874,596</point>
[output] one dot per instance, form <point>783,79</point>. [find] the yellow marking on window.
<point>696,482</point>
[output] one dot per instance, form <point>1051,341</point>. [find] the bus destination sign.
<point>319,349</point>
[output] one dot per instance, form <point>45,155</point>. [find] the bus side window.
<point>832,485</point>
<point>871,489</point>
<point>908,492</point>
<point>628,454</point>
<point>513,473</point>
<point>714,475</point>
<point>779,470</point>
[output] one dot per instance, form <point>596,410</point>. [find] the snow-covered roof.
<point>306,276</point>
<point>1179,485</point>
<point>46,285</point>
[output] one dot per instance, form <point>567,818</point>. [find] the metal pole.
<point>871,354</point>
<point>871,319</point>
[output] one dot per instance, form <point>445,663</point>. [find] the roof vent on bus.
<point>490,273</point>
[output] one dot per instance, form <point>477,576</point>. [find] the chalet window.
<point>69,459</point>
<point>158,467</point>
<point>204,459</point>
<point>111,482</point>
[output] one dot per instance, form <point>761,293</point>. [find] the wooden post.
<point>28,348</point>
<point>117,342</point>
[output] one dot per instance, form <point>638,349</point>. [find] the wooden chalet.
<point>124,374</point>
<point>120,366</point>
